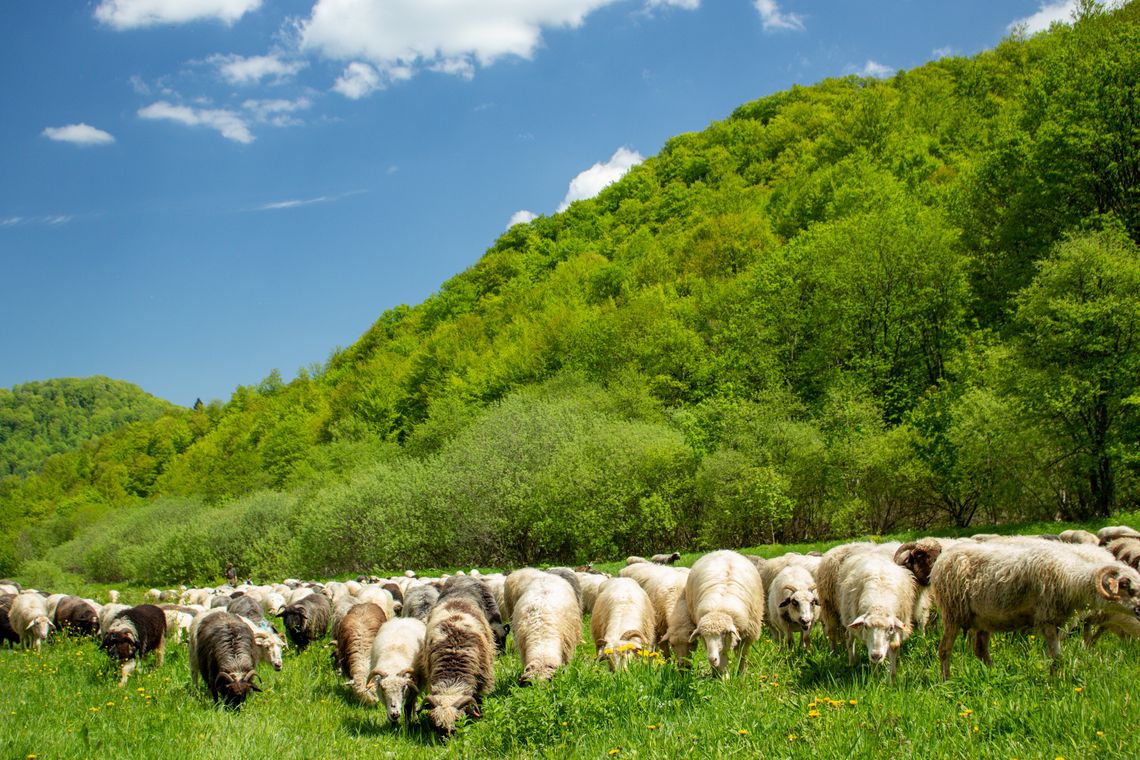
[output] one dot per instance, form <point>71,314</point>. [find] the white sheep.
<point>792,605</point>
<point>1010,585</point>
<point>29,619</point>
<point>513,587</point>
<point>876,605</point>
<point>724,600</point>
<point>590,584</point>
<point>547,624</point>
<point>623,622</point>
<point>664,586</point>
<point>827,584</point>
<point>392,673</point>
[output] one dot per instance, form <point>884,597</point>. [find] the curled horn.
<point>1107,583</point>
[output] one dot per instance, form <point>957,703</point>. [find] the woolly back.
<point>727,582</point>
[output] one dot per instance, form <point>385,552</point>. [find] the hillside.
<point>858,306</point>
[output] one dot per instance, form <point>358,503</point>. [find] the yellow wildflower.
<point>852,701</point>
<point>615,751</point>
<point>743,732</point>
<point>813,713</point>
<point>652,728</point>
<point>966,713</point>
<point>1100,733</point>
<point>792,737</point>
<point>608,650</point>
<point>1078,689</point>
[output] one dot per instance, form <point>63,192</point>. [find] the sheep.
<point>827,584</point>
<point>107,615</point>
<point>724,599</point>
<point>51,602</point>
<point>567,574</point>
<point>133,633</point>
<point>78,615</point>
<point>274,603</point>
<point>381,597</point>
<point>179,618</point>
<point>770,568</point>
<point>457,662</point>
<point>9,587</point>
<point>665,559</point>
<point>307,620</point>
<point>248,607</point>
<point>590,584</point>
<point>1110,533</point>
<point>419,601</point>
<point>1079,537</point>
<point>29,619</point>
<point>221,650</point>
<point>353,653</point>
<point>514,586</point>
<point>480,592</point>
<point>392,667</point>
<point>664,586</point>
<point>1007,586</point>
<point>635,560</point>
<point>547,622</point>
<point>7,633</point>
<point>297,595</point>
<point>623,621</point>
<point>1126,550</point>
<point>876,604</point>
<point>792,605</point>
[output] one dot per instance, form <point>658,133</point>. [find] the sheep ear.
<point>786,602</point>
<point>1107,583</point>
<point>898,624</point>
<point>693,636</point>
<point>858,622</point>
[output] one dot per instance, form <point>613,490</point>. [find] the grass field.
<point>65,703</point>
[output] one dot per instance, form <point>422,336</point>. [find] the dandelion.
<point>966,713</point>
<point>1100,733</point>
<point>615,751</point>
<point>1079,689</point>
<point>743,732</point>
<point>852,702</point>
<point>792,737</point>
<point>813,713</point>
<point>608,650</point>
<point>110,704</point>
<point>652,727</point>
<point>975,729</point>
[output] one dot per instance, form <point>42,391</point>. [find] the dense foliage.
<point>857,306</point>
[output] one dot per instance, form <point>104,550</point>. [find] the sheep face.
<point>1120,585</point>
<point>445,710</point>
<point>882,636</point>
<point>396,690</point>
<point>619,655</point>
<point>272,645</point>
<point>120,645</point>
<point>799,609</point>
<point>233,688</point>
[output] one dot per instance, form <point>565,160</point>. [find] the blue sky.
<point>196,192</point>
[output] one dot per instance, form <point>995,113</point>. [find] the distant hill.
<point>40,419</point>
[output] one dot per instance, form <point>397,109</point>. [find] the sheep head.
<point>798,608</point>
<point>1120,585</point>
<point>619,654</point>
<point>271,645</point>
<point>445,710</point>
<point>880,634</point>
<point>919,557</point>
<point>120,644</point>
<point>396,689</point>
<point>720,635</point>
<point>235,687</point>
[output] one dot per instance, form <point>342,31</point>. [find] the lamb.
<point>665,559</point>
<point>418,602</point>
<point>221,649</point>
<point>479,592</point>
<point>457,662</point>
<point>29,619</point>
<point>623,622</point>
<point>724,601</point>
<point>392,668</point>
<point>876,604</point>
<point>792,605</point>
<point>547,622</point>
<point>7,633</point>
<point>77,615</point>
<point>354,638</point>
<point>998,587</point>
<point>1126,550</point>
<point>133,633</point>
<point>307,620</point>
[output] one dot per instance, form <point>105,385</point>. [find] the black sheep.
<point>134,632</point>
<point>307,620</point>
<point>76,615</point>
<point>222,653</point>
<point>6,632</point>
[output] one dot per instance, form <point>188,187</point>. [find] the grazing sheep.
<point>456,663</point>
<point>1126,550</point>
<point>9,587</point>
<point>392,669</point>
<point>514,586</point>
<point>590,584</point>
<point>418,602</point>
<point>1110,533</point>
<point>133,633</point>
<point>480,593</point>
<point>381,597</point>
<point>876,604</point>
<point>1001,586</point>
<point>248,607</point>
<point>567,574</point>
<point>665,559</point>
<point>1079,537</point>
<point>275,603</point>
<point>77,615</point>
<point>664,586</point>
<point>770,568</point>
<point>547,622</point>
<point>354,638</point>
<point>827,585</point>
<point>221,649</point>
<point>792,605</point>
<point>107,615</point>
<point>7,633</point>
<point>724,599</point>
<point>623,622</point>
<point>29,619</point>
<point>307,620</point>
<point>635,560</point>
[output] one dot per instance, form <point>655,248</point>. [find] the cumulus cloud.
<point>876,70</point>
<point>775,20</point>
<point>401,37</point>
<point>1046,16</point>
<point>78,134</point>
<point>591,182</point>
<point>359,79</point>
<point>133,14</point>
<point>239,70</point>
<point>229,123</point>
<point>521,217</point>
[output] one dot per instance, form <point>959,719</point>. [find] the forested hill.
<point>40,419</point>
<point>857,306</point>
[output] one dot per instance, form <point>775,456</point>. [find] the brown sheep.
<point>457,663</point>
<point>354,639</point>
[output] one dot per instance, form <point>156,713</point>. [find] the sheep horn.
<point>1107,584</point>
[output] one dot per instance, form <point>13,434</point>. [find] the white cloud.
<point>278,205</point>
<point>1046,16</point>
<point>402,37</point>
<point>876,70</point>
<point>591,182</point>
<point>51,220</point>
<point>239,70</point>
<point>78,134</point>
<point>277,112</point>
<point>132,14</point>
<point>359,79</point>
<point>943,52</point>
<point>230,124</point>
<point>688,5</point>
<point>521,217</point>
<point>775,20</point>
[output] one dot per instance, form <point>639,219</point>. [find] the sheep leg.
<point>805,639</point>
<point>160,653</point>
<point>128,668</point>
<point>946,647</point>
<point>982,647</point>
<point>1052,646</point>
<point>851,647</point>
<point>742,654</point>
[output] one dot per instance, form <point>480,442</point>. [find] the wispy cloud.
<point>78,134</point>
<point>50,220</point>
<point>1046,15</point>
<point>521,217</point>
<point>230,124</point>
<point>944,52</point>
<point>277,112</point>
<point>593,180</point>
<point>298,202</point>
<point>876,70</point>
<point>776,20</point>
<point>133,14</point>
<point>242,71</point>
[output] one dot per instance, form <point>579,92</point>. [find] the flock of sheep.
<point>434,641</point>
